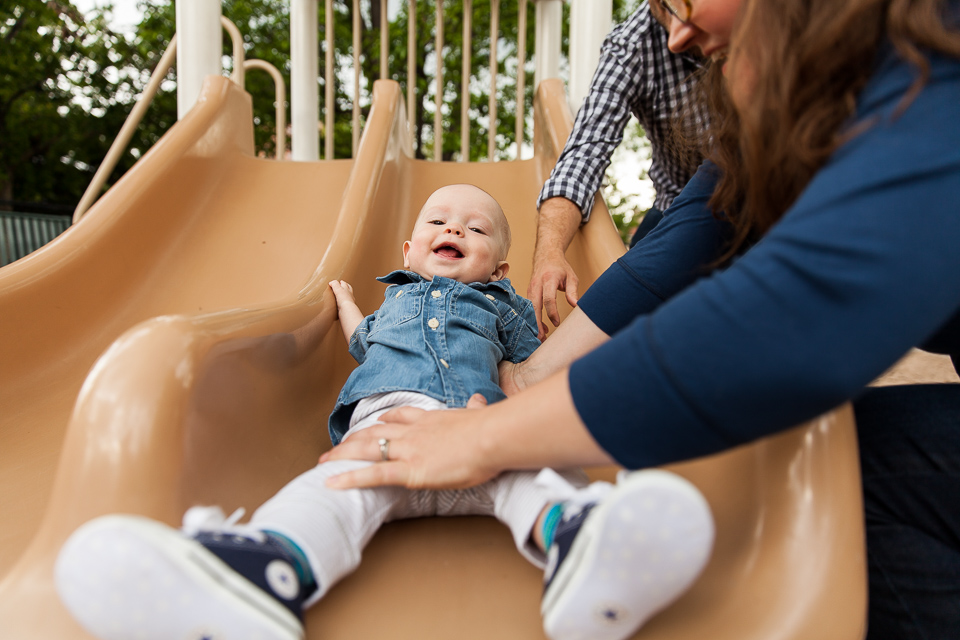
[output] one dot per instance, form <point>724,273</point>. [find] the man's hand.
<point>558,222</point>
<point>551,274</point>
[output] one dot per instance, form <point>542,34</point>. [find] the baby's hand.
<point>347,309</point>
<point>342,291</point>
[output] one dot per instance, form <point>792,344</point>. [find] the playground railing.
<point>133,120</point>
<point>23,233</point>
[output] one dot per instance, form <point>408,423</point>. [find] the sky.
<point>125,13</point>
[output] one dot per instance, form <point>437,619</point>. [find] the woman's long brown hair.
<point>807,61</point>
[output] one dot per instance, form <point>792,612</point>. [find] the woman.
<point>836,164</point>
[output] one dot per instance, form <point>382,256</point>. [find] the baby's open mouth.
<point>448,251</point>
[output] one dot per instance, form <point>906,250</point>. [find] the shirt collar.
<point>402,276</point>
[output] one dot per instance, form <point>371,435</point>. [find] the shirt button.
<point>490,296</point>
<point>435,293</point>
<point>433,323</point>
<point>444,363</point>
<point>399,293</point>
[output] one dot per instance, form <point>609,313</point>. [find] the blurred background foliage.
<point>68,81</point>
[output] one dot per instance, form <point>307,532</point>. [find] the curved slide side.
<point>226,407</point>
<point>197,225</point>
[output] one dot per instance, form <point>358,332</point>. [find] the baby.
<point>446,322</point>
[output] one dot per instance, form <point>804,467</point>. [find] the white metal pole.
<point>329,80</point>
<point>304,90</point>
<point>200,44</point>
<point>411,66</point>
<point>521,74</point>
<point>465,80</point>
<point>355,115</point>
<point>547,48</point>
<point>438,96</point>
<point>492,104</point>
<point>590,21</point>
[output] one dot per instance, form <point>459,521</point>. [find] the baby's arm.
<point>350,314</point>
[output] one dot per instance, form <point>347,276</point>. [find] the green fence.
<point>22,233</point>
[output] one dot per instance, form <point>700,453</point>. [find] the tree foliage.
<point>60,77</point>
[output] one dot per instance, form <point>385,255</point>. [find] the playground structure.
<point>178,346</point>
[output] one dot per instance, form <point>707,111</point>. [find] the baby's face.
<point>459,235</point>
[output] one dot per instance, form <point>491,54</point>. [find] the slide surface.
<point>179,346</point>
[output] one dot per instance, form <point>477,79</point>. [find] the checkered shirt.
<point>636,74</point>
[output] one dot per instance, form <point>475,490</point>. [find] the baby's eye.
<point>478,230</point>
<point>435,222</point>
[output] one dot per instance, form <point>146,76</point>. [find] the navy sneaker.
<point>616,562</point>
<point>125,577</point>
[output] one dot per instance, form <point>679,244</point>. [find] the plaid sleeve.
<point>598,129</point>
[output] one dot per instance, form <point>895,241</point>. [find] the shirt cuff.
<point>616,298</point>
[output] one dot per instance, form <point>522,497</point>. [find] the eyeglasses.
<point>680,9</point>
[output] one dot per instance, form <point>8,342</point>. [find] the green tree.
<point>265,27</point>
<point>452,64</point>
<point>57,72</point>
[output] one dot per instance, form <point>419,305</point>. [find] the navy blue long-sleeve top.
<point>863,266</point>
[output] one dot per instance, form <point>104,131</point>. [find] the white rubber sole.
<point>131,578</point>
<point>637,552</point>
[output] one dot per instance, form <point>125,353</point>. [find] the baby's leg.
<point>519,501</point>
<point>615,554</point>
<point>330,526</point>
<point>125,576</point>
<point>618,554</point>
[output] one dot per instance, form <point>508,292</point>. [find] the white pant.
<point>333,526</point>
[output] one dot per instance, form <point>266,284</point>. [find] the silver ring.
<point>384,449</point>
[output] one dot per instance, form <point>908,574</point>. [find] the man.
<point>636,74</point>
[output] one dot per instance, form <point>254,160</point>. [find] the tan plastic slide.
<point>179,346</point>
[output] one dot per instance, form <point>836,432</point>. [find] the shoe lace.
<point>212,520</point>
<point>556,488</point>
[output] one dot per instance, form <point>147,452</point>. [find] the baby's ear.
<point>500,272</point>
<point>406,250</point>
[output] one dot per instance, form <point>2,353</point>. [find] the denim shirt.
<point>438,337</point>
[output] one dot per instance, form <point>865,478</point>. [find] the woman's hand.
<point>459,448</point>
<point>427,450</point>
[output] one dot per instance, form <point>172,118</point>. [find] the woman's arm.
<point>669,259</point>
<point>575,337</point>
